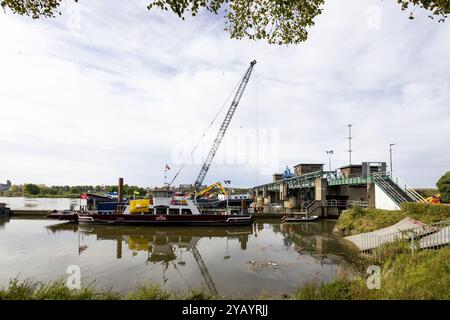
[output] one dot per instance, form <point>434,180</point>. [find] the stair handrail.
<point>410,191</point>
<point>379,177</point>
<point>313,206</point>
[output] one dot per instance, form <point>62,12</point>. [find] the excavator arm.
<point>208,189</point>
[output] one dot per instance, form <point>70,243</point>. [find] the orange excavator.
<point>436,199</point>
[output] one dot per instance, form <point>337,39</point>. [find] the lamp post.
<point>390,155</point>
<point>329,153</point>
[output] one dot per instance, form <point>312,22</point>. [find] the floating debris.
<point>256,265</point>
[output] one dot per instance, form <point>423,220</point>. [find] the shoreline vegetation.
<point>30,190</point>
<point>405,276</point>
<point>73,192</point>
<point>359,220</point>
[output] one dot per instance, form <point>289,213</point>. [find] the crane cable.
<point>206,131</point>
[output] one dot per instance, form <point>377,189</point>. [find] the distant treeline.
<point>43,191</point>
<point>40,190</point>
<point>427,192</point>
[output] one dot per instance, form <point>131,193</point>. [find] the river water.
<point>265,258</point>
<point>22,203</point>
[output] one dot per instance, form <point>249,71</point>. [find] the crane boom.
<point>223,128</point>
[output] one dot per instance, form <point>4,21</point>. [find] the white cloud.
<point>108,88</point>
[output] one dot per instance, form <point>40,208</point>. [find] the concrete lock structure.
<point>315,191</point>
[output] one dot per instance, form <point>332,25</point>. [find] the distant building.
<point>303,168</point>
<point>185,187</point>
<point>189,187</point>
<point>361,169</point>
<point>277,177</point>
<point>5,187</point>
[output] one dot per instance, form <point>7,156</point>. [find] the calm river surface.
<point>267,257</point>
<point>22,203</point>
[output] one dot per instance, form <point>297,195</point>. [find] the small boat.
<point>65,215</point>
<point>307,218</point>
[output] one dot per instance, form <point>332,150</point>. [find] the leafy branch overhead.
<point>276,21</point>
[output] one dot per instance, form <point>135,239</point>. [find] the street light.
<point>329,153</point>
<point>390,155</point>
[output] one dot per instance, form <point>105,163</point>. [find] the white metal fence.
<point>425,237</point>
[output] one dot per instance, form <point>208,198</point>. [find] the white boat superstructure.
<point>163,205</point>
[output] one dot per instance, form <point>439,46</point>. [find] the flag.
<point>136,192</point>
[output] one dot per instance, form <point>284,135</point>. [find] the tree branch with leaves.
<point>276,21</point>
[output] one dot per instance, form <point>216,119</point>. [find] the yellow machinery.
<point>434,199</point>
<point>208,189</point>
<point>139,206</point>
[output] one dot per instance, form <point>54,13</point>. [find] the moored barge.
<point>164,208</point>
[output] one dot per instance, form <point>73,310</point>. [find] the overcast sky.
<point>110,89</point>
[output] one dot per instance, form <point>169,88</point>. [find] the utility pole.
<point>349,144</point>
<point>390,155</point>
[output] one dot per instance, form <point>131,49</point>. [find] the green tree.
<point>76,189</point>
<point>277,21</point>
<point>444,187</point>
<point>31,189</point>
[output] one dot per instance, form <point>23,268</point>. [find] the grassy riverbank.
<point>358,220</point>
<point>422,276</point>
<point>57,290</point>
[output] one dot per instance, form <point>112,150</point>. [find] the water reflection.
<point>264,257</point>
<point>164,246</point>
<point>23,203</point>
<point>162,242</point>
<point>3,221</point>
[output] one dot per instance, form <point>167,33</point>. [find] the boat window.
<point>186,211</point>
<point>161,211</point>
<point>174,211</point>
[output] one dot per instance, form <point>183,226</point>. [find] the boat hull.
<point>302,219</point>
<point>165,220</point>
<point>63,216</point>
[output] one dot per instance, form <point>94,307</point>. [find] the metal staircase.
<point>395,188</point>
<point>313,207</point>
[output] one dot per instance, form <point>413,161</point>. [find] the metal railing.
<point>425,237</point>
<point>382,180</point>
<point>345,203</point>
<point>408,190</point>
<point>397,189</point>
<point>313,206</point>
<point>303,181</point>
<point>352,179</point>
